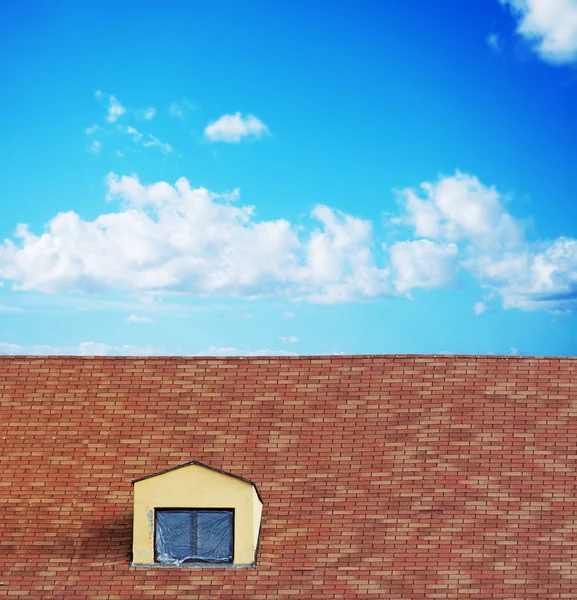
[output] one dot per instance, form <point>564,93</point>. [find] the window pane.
<point>214,535</point>
<point>173,535</point>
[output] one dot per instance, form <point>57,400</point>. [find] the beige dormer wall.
<point>196,486</point>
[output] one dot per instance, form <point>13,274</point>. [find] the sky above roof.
<point>289,177</point>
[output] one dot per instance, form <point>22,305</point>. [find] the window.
<point>194,535</point>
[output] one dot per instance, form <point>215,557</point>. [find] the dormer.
<point>195,515</point>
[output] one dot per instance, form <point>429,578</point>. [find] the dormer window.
<point>195,515</point>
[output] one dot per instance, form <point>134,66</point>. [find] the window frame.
<point>192,510</point>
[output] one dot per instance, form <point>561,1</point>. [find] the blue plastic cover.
<point>194,536</point>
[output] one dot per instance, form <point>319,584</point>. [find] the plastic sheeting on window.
<point>194,535</point>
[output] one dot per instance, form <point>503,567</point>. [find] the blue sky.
<point>289,177</point>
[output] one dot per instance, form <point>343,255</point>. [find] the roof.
<point>381,476</point>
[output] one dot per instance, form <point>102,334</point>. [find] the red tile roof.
<point>390,477</point>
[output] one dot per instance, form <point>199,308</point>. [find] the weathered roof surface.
<point>391,477</point>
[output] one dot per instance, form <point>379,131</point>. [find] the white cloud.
<point>550,26</point>
<point>7,348</point>
<point>178,109</point>
<point>146,140</point>
<point>230,351</point>
<point>288,315</point>
<point>492,245</point>
<point>461,208</point>
<point>82,349</point>
<point>95,147</point>
<point>175,110</point>
<point>234,128</point>
<point>339,261</point>
<point>176,238</point>
<point>479,308</point>
<point>114,107</point>
<point>289,340</point>
<point>494,42</point>
<point>115,110</point>
<point>138,319</point>
<point>90,348</point>
<point>543,276</point>
<point>423,264</point>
